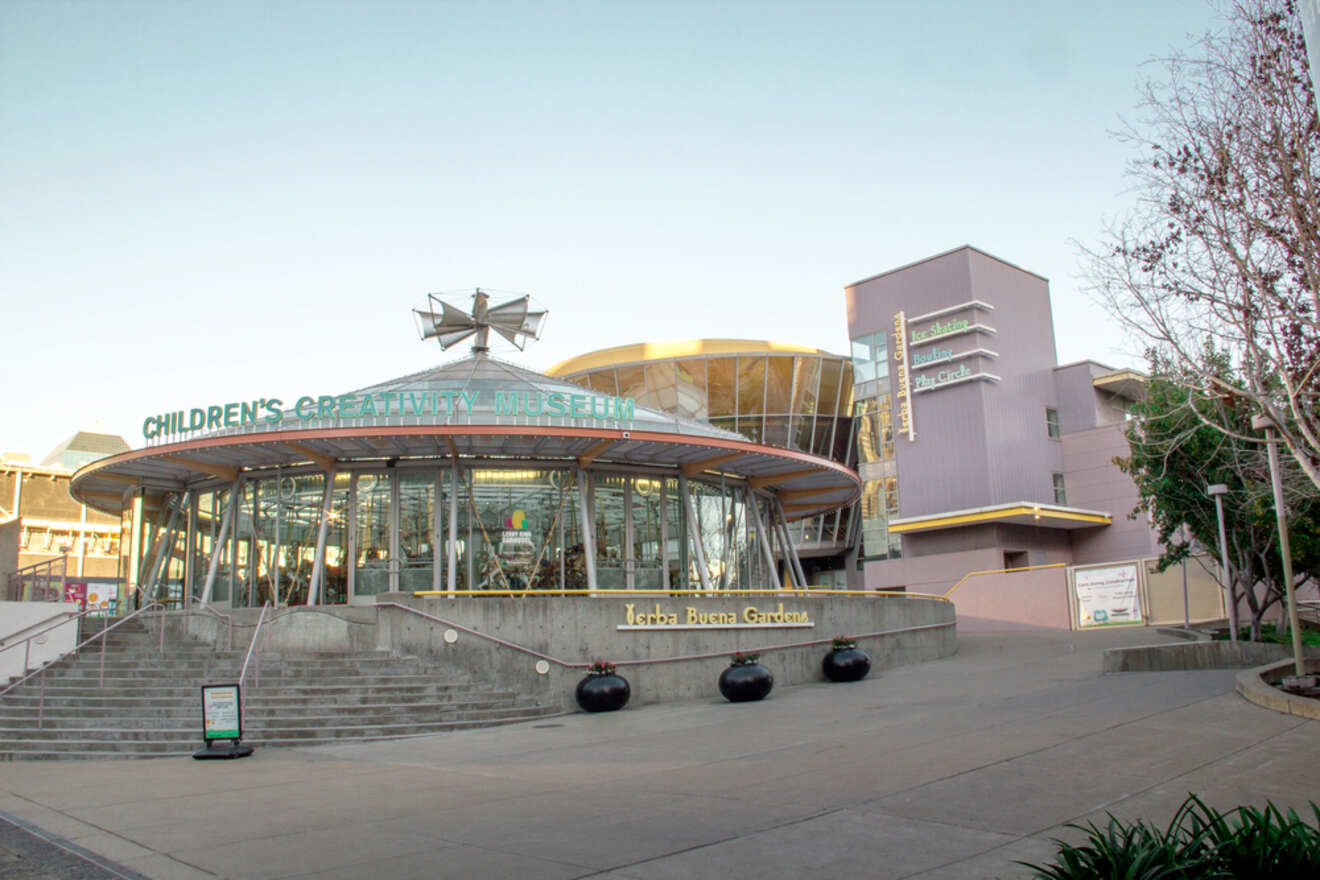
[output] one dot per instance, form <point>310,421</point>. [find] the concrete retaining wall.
<point>1196,655</point>
<point>18,620</point>
<point>295,630</point>
<point>1257,686</point>
<point>575,630</point>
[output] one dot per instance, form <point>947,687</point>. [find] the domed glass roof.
<point>476,390</point>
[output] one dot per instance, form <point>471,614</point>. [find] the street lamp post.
<point>1217,492</point>
<point>1271,444</point>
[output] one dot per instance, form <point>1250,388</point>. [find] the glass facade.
<point>389,529</point>
<point>874,426</point>
<point>792,401</point>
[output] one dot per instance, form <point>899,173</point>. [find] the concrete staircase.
<point>150,704</point>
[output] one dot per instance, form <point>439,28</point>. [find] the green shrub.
<point>1200,842</point>
<point>1269,632</point>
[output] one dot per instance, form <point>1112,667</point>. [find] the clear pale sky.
<point>206,202</point>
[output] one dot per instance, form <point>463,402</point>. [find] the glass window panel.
<point>822,444</point>
<point>603,381</point>
<point>632,382</point>
<point>373,535</point>
<point>868,440</point>
<point>727,423</point>
<point>776,431</point>
<point>751,427</point>
<point>1052,423</point>
<point>830,370</point>
<point>840,449</point>
<point>848,391</point>
<point>690,388</point>
<point>416,530</point>
<point>806,384</point>
<point>779,385</point>
<point>720,374</point>
<point>861,349</point>
<point>800,437</point>
<point>646,533</point>
<point>751,385</point>
<point>660,390</point>
<point>611,541</point>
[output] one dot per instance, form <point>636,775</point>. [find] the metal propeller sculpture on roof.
<point>449,325</point>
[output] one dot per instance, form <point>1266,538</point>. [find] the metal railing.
<point>68,617</point>
<point>567,664</point>
<point>252,647</point>
<point>100,683</point>
<point>971,574</point>
<point>227,618</point>
<point>38,582</point>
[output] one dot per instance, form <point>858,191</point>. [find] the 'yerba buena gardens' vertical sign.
<point>905,422</point>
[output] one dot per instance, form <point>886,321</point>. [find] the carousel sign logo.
<point>269,410</point>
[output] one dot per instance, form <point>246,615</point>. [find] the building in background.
<point>783,395</point>
<point>977,450</point>
<point>46,523</point>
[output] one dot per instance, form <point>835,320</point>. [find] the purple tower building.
<point>977,450</point>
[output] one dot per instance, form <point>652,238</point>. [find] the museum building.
<point>948,441</point>
<point>475,475</point>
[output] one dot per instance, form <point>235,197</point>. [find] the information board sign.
<point>1107,596</point>
<point>221,716</point>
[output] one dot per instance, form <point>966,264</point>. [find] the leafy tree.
<point>1222,247</point>
<point>1177,450</point>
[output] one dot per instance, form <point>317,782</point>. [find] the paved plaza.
<point>949,769</point>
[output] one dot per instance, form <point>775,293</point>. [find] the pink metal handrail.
<point>567,665</point>
<point>242,676</point>
<point>4,646</point>
<point>41,671</point>
<point>27,642</point>
<point>33,573</point>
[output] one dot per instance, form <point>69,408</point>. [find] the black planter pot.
<point>742,684</point>
<point>603,693</point>
<point>846,664</point>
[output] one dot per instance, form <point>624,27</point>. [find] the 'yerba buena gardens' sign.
<point>691,617</point>
<point>390,404</point>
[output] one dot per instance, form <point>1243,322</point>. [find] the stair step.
<point>127,698</point>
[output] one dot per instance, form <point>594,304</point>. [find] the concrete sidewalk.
<point>947,769</point>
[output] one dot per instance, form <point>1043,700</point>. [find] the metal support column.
<point>790,551</point>
<point>694,531</point>
<point>629,558</point>
<point>394,566</point>
<point>664,535</point>
<point>218,548</point>
<point>588,539</point>
<point>165,545</point>
<point>452,555</point>
<point>314,591</point>
<point>762,540</point>
<point>151,549</point>
<point>437,527</point>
